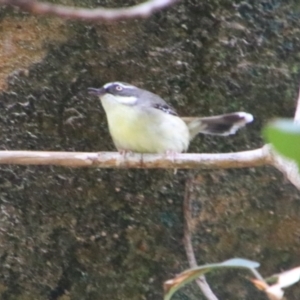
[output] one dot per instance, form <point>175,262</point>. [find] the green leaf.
<point>284,135</point>
<point>172,285</point>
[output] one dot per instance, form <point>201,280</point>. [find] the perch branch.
<point>187,240</point>
<point>253,158</point>
<point>98,14</point>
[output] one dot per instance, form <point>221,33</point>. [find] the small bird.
<point>141,121</point>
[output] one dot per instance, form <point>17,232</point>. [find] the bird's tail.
<point>218,125</point>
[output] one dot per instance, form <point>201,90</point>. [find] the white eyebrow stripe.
<point>125,86</point>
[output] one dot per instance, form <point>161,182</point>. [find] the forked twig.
<point>287,166</point>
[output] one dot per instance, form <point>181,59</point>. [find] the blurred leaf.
<point>286,278</point>
<point>172,285</point>
<point>282,280</point>
<point>274,292</point>
<point>284,135</point>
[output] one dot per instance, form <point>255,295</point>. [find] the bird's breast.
<point>147,130</point>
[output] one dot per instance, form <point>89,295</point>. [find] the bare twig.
<point>142,10</point>
<point>201,281</point>
<point>297,112</point>
<point>253,158</point>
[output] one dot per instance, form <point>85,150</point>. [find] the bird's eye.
<point>119,88</point>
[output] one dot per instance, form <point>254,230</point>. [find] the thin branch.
<point>201,281</point>
<point>142,10</point>
<point>286,166</point>
<point>297,112</point>
<point>245,159</point>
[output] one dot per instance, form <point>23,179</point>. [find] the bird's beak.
<point>97,92</point>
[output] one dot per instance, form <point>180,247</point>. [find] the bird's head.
<point>117,92</point>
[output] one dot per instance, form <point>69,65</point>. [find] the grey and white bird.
<point>141,121</point>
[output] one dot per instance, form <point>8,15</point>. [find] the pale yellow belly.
<point>147,131</point>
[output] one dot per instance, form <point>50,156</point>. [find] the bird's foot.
<point>125,153</point>
<point>172,154</point>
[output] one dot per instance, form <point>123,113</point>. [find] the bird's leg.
<point>124,153</point>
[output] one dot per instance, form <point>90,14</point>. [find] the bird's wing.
<point>156,102</point>
<point>165,108</point>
